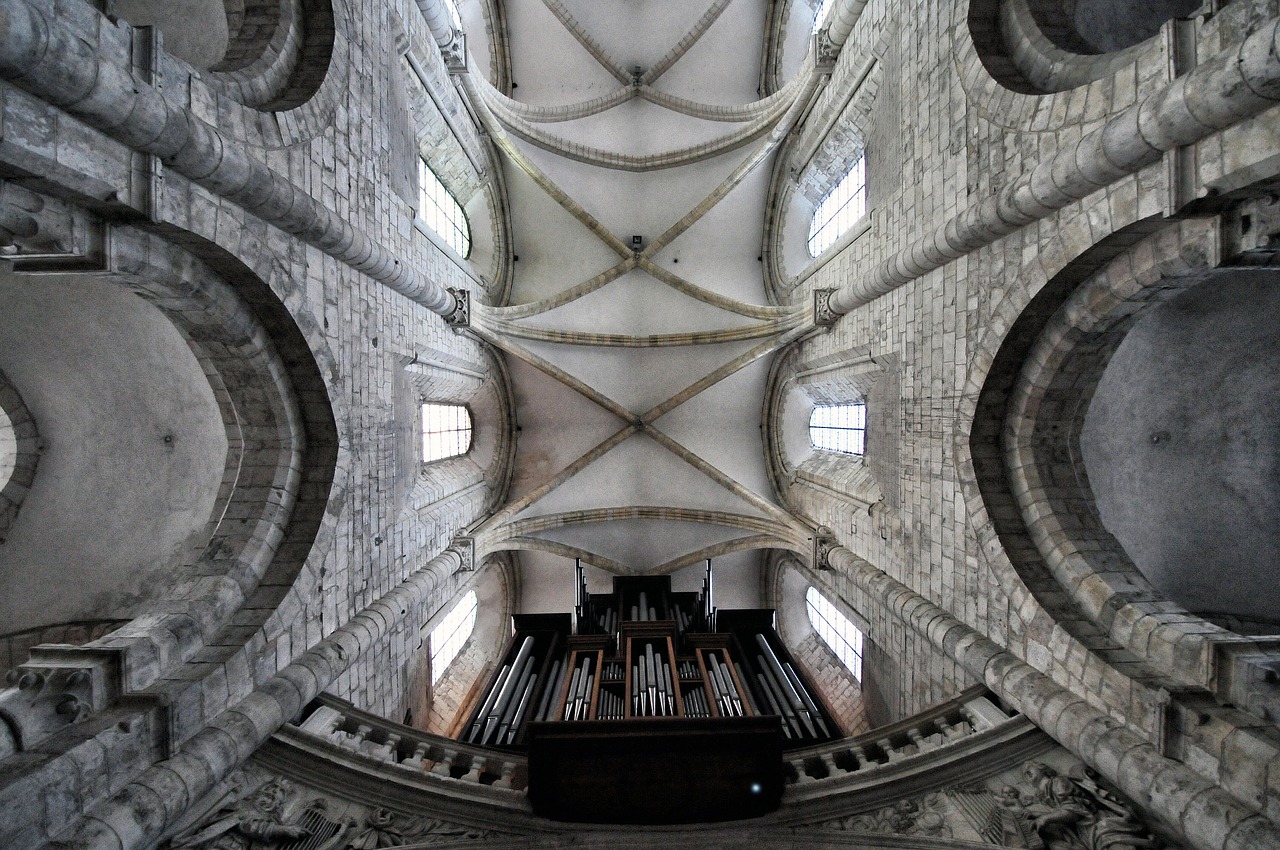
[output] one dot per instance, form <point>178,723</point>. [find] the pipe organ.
<point>646,652</point>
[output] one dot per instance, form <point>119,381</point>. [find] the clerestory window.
<point>8,449</point>
<point>839,428</point>
<point>836,631</point>
<point>439,210</point>
<point>448,637</point>
<point>446,431</point>
<point>840,209</point>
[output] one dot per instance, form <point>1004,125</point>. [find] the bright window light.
<point>836,631</point>
<point>821,18</point>
<point>839,428</point>
<point>448,637</point>
<point>446,431</point>
<point>457,21</point>
<point>8,449</point>
<point>840,209</point>
<point>440,211</point>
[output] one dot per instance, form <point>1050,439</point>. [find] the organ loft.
<point>636,423</point>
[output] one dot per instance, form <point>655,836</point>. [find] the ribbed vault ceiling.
<point>639,374</point>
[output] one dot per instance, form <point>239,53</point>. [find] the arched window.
<point>840,209</point>
<point>8,449</point>
<point>820,18</point>
<point>446,431</point>
<point>441,212</point>
<point>836,631</point>
<point>452,632</point>
<point>839,428</point>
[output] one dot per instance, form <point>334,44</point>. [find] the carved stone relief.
<point>258,811</point>
<point>1039,807</point>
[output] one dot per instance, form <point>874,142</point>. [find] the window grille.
<point>440,211</point>
<point>448,637</point>
<point>836,631</point>
<point>446,431</point>
<point>839,428</point>
<point>840,209</point>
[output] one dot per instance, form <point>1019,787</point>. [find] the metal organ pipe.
<point>488,703</point>
<point>808,699</point>
<point>785,684</point>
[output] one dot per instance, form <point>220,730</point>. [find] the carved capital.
<point>461,315</point>
<point>455,54</point>
<point>823,543</point>
<point>41,701</point>
<point>823,315</point>
<point>466,548</point>
<point>42,234</point>
<point>825,52</point>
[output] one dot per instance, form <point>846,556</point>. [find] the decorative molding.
<point>825,51</point>
<point>823,315</point>
<point>823,542</point>
<point>43,235</point>
<point>465,546</point>
<point>454,54</point>
<point>461,315</point>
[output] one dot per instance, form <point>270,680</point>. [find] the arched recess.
<point>793,390</point>
<point>273,495</point>
<point>1025,447</point>
<point>485,390</point>
<point>442,708</point>
<point>1036,85</point>
<point>784,583</point>
<point>1037,46</point>
<point>280,65</point>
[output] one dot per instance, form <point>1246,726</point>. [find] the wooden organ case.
<point>650,706</point>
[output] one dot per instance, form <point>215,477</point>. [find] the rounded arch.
<point>1035,514</point>
<point>999,49</point>
<point>276,493</point>
<point>19,453</point>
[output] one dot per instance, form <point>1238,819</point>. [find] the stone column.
<point>1239,83</point>
<point>1208,817</point>
<point>41,53</point>
<point>138,814</point>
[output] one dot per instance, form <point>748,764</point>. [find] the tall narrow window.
<point>840,209</point>
<point>441,212</point>
<point>836,631</point>
<point>448,637</point>
<point>446,431</point>
<point>839,428</point>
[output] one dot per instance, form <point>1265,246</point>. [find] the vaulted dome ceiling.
<point>639,366</point>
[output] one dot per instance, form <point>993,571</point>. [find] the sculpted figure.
<point>254,823</point>
<point>1071,814</point>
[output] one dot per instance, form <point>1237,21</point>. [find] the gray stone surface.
<point>1182,445</point>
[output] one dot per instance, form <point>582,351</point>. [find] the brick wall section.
<point>841,691</point>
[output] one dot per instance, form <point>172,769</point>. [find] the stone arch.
<point>485,390</point>
<point>1016,77</point>
<point>451,700</point>
<point>794,388</point>
<point>1063,587</point>
<point>281,465</point>
<point>784,582</point>
<point>19,452</point>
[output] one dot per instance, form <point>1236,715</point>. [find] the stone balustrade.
<point>373,737</point>
<point>903,744</point>
<point>945,724</point>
